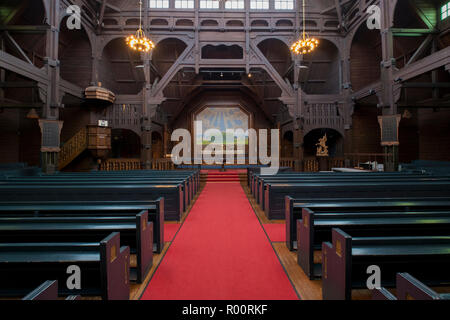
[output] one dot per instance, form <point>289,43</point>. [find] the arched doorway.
<point>125,144</point>
<point>335,142</point>
<point>287,145</point>
<point>157,145</point>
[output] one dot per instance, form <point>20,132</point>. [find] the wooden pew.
<point>260,190</point>
<point>346,259</point>
<point>189,179</point>
<point>275,193</point>
<point>255,179</point>
<point>47,291</point>
<point>135,232</point>
<point>294,208</point>
<point>104,267</point>
<point>315,228</point>
<point>409,288</point>
<point>184,201</point>
<point>382,294</point>
<point>193,175</point>
<point>172,194</point>
<point>155,211</point>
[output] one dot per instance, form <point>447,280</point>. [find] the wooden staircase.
<point>73,148</point>
<point>96,139</point>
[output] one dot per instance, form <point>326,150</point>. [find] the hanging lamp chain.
<point>304,22</point>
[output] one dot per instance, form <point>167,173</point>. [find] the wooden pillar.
<point>146,141</point>
<point>389,96</point>
<point>166,139</point>
<point>298,148</point>
<point>50,127</point>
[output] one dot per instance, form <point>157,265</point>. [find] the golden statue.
<point>322,149</point>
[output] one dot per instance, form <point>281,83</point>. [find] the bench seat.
<point>346,259</point>
<point>136,232</point>
<point>104,267</point>
<point>112,209</point>
<point>294,208</point>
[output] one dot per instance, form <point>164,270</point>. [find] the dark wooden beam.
<point>23,105</point>
<point>101,15</point>
<point>24,84</point>
<point>110,6</point>
<point>25,29</point>
<point>17,47</point>
<point>406,32</point>
<point>426,85</point>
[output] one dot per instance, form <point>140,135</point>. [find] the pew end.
<point>159,246</point>
<point>46,291</point>
<point>409,288</point>
<point>115,268</point>
<point>266,202</point>
<point>144,241</point>
<point>288,214</point>
<point>336,275</point>
<point>382,294</point>
<point>305,240</point>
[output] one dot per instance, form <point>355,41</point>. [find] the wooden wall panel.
<point>366,131</point>
<point>434,134</point>
<point>9,139</point>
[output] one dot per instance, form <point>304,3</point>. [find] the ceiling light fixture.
<point>305,44</point>
<point>139,41</point>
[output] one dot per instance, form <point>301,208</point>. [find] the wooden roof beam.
<point>334,7</point>
<point>25,29</point>
<point>406,32</point>
<point>110,6</point>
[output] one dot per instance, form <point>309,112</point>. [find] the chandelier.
<point>305,44</point>
<point>139,41</point>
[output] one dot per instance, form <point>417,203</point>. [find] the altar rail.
<point>162,164</point>
<point>135,164</point>
<point>121,164</point>
<point>350,160</point>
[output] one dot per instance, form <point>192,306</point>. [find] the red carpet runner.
<point>220,253</point>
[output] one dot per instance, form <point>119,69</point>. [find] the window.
<point>284,4</point>
<point>159,4</point>
<point>445,11</point>
<point>235,4</point>
<point>184,4</point>
<point>209,4</point>
<point>259,4</point>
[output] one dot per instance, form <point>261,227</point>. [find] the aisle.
<point>221,252</point>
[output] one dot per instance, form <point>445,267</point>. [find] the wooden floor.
<point>259,212</point>
<point>306,289</point>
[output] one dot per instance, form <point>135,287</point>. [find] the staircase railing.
<point>73,148</point>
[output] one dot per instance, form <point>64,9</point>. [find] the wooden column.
<point>50,113</point>
<point>388,94</point>
<point>298,148</point>
<point>166,139</point>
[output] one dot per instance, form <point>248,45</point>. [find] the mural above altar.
<point>223,118</point>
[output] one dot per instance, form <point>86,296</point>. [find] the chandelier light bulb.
<point>139,42</point>
<point>305,44</point>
